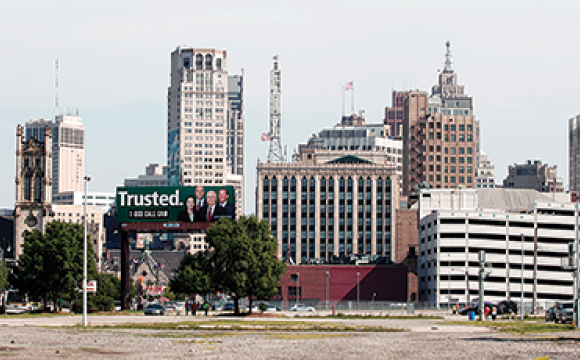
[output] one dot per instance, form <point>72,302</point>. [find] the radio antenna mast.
<point>275,154</point>
<point>56,75</point>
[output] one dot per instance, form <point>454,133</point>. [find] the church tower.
<point>33,209</point>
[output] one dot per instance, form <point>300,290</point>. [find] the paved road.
<point>35,338</point>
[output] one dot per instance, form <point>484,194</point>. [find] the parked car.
<point>155,309</point>
<point>565,313</point>
<point>270,307</point>
<point>301,307</point>
<point>170,307</point>
<point>506,307</point>
<point>551,314</point>
<point>180,306</point>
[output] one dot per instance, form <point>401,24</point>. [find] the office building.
<point>204,136</point>
<point>485,172</point>
<point>440,135</point>
<point>534,175</point>
<point>394,115</point>
<point>68,149</point>
<point>155,175</point>
<point>456,224</point>
<point>329,204</point>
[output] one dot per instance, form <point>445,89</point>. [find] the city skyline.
<point>114,67</point>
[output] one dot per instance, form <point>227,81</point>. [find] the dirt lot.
<point>52,337</point>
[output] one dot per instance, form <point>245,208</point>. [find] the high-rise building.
<point>574,153</point>
<point>534,175</point>
<point>68,150</point>
<point>440,135</point>
<point>336,199</point>
<point>394,115</point>
<point>204,136</point>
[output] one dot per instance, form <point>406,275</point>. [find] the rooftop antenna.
<point>275,154</point>
<point>56,75</point>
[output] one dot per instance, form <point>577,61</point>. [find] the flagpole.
<point>343,99</point>
<point>352,99</point>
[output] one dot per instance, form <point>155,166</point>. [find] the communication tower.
<point>275,154</point>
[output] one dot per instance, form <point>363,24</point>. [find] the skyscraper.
<point>204,121</point>
<point>440,135</point>
<point>68,149</point>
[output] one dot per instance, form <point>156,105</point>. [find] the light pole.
<point>522,290</point>
<point>85,322</point>
<point>357,290</point>
<point>449,279</point>
<point>297,288</point>
<point>327,289</point>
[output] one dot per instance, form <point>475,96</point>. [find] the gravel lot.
<point>426,339</point>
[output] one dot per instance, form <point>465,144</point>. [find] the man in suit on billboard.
<point>225,209</point>
<point>208,211</point>
<point>199,203</point>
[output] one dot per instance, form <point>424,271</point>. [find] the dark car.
<point>564,313</point>
<point>506,307</point>
<point>551,314</point>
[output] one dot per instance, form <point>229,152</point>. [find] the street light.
<point>86,182</point>
<point>327,289</point>
<point>357,290</point>
<point>522,292</point>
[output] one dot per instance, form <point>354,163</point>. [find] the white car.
<point>301,307</point>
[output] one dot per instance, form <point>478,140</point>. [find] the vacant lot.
<point>57,337</point>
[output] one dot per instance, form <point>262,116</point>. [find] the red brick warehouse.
<point>336,283</point>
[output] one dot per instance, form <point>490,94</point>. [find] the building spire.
<point>448,59</point>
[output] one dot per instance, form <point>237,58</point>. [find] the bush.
<point>263,307</point>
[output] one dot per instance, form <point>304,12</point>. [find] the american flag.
<point>349,86</point>
<point>266,137</point>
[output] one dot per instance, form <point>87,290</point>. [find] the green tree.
<point>3,275</point>
<point>243,258</point>
<point>51,264</point>
<point>193,275</point>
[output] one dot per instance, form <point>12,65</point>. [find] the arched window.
<point>218,63</point>
<point>208,62</point>
<point>199,61</point>
<point>266,183</point>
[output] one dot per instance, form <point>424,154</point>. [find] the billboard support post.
<point>124,270</point>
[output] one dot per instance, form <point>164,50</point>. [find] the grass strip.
<point>372,317</point>
<point>218,326</point>
<point>516,327</point>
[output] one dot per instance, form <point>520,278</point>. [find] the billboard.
<point>182,204</point>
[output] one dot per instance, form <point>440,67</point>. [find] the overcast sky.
<point>518,59</point>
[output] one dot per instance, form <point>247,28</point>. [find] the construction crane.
<point>275,154</point>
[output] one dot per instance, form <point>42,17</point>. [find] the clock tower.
<point>33,209</point>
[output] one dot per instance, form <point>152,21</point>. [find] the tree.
<point>243,258</point>
<point>51,264</point>
<point>3,275</point>
<point>193,275</point>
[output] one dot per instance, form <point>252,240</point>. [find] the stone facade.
<point>33,209</point>
<point>336,208</point>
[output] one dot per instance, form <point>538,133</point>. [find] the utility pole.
<point>482,275</point>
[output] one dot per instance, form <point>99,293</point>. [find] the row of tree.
<point>240,259</point>
<point>50,268</point>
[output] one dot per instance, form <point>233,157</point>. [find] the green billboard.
<point>175,204</point>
